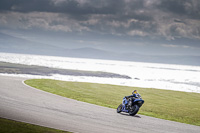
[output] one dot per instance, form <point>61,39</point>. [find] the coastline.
<point>145,75</point>
<point>13,68</point>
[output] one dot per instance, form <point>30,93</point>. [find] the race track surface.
<point>23,103</point>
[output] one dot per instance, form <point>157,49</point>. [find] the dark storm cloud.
<point>25,5</point>
<point>120,8</point>
<point>62,6</point>
<point>174,6</point>
<point>186,8</point>
<point>169,19</point>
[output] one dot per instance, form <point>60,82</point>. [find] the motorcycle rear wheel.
<point>133,110</point>
<point>119,109</point>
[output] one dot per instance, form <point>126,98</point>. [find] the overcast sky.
<point>141,26</point>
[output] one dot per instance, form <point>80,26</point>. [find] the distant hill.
<point>18,45</point>
<point>12,44</point>
<point>166,59</point>
<point>91,53</point>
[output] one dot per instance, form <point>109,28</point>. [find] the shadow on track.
<point>125,114</point>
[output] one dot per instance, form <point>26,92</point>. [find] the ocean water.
<point>148,75</point>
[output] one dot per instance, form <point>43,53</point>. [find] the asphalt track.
<point>23,103</point>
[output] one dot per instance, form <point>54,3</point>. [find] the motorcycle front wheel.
<point>119,109</point>
<point>133,110</point>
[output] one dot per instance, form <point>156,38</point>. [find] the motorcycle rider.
<point>130,97</point>
<point>131,104</point>
<point>134,94</point>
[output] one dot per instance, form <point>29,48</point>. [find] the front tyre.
<point>119,109</point>
<point>133,110</point>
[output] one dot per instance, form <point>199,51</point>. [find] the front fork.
<point>126,105</point>
<point>130,102</point>
<point>124,109</point>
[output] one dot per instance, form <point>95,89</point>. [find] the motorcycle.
<point>131,105</point>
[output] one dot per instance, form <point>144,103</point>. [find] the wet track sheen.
<point>27,104</point>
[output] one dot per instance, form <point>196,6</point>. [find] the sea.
<point>148,75</point>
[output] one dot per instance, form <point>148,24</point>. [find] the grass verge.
<point>170,105</point>
<point>10,126</point>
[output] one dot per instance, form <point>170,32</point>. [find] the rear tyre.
<point>119,109</point>
<point>133,110</point>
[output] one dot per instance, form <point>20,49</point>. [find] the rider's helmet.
<point>134,92</point>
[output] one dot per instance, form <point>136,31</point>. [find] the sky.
<point>154,27</point>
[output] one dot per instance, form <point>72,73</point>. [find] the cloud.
<point>177,46</point>
<point>168,19</point>
<point>39,20</point>
<point>186,8</point>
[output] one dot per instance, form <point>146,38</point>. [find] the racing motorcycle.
<point>130,105</point>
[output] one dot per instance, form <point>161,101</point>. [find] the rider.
<point>134,95</point>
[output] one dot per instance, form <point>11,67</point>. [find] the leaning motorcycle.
<point>130,105</point>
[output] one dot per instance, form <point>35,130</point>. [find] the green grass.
<point>171,105</point>
<point>10,126</point>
